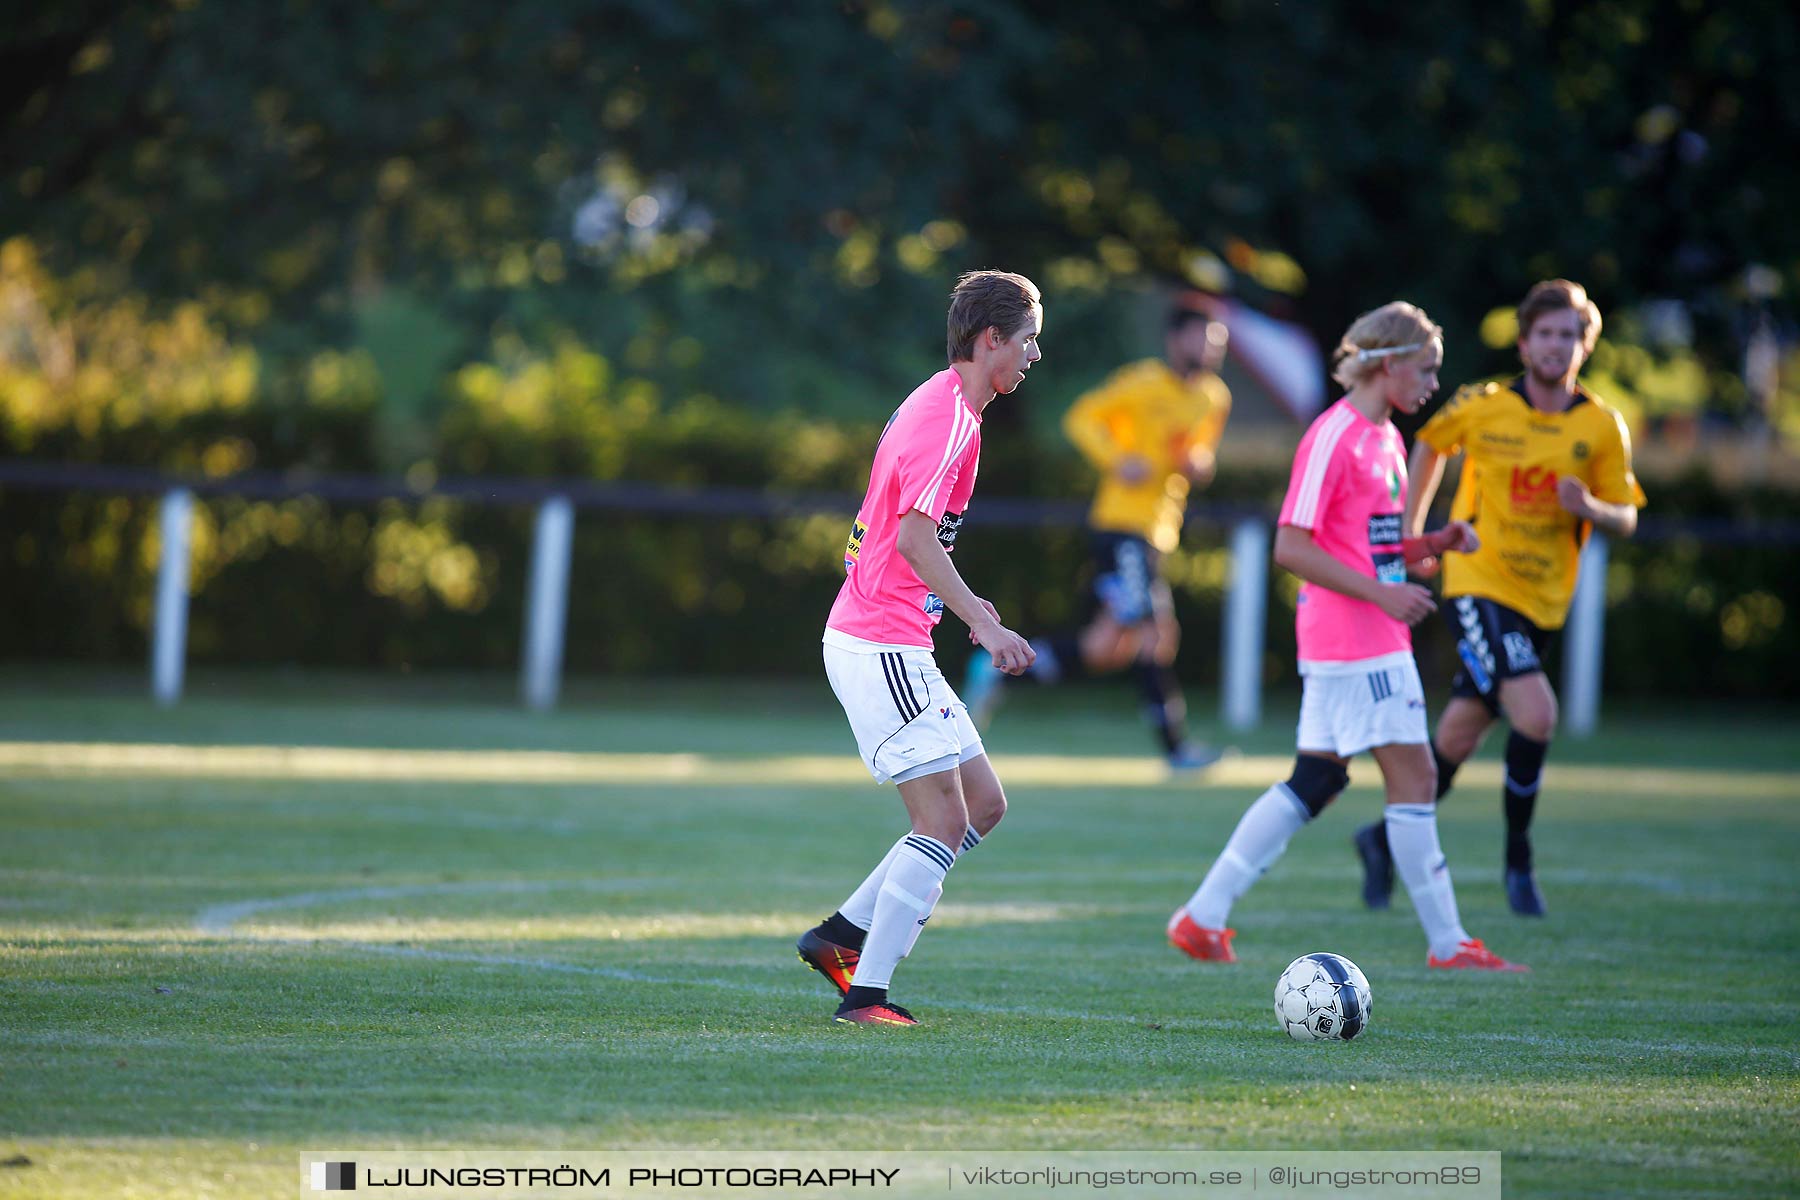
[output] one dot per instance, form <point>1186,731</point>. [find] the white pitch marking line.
<point>518,768</point>
<point>220,919</point>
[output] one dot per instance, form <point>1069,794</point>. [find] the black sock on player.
<point>839,931</point>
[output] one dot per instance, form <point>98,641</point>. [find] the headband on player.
<point>1386,351</point>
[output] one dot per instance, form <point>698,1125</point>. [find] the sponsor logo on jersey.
<point>1580,451</point>
<point>948,528</point>
<point>933,606</point>
<point>1384,535</point>
<point>1533,488</point>
<point>853,547</point>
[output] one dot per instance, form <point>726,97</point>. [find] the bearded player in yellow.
<point>1544,462</point>
<point>1151,430</point>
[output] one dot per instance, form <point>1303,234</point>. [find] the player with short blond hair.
<point>1545,462</point>
<point>1339,531</point>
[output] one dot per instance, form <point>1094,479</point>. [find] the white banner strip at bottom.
<point>1195,1174</point>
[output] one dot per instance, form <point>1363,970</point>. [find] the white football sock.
<point>859,909</point>
<point>1261,835</point>
<point>915,880</point>
<point>1419,858</point>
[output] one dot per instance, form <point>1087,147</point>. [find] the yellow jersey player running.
<point>1151,430</point>
<point>1544,462</point>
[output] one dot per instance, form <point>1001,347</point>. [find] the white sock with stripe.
<point>859,909</point>
<point>1261,835</point>
<point>915,880</point>
<point>1419,860</point>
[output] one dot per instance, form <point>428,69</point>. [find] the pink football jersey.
<point>1349,489</point>
<point>926,461</point>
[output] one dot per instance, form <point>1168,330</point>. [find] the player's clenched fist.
<point>1012,653</point>
<point>1409,602</point>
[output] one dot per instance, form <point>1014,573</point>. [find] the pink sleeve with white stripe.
<point>935,455</point>
<point>1316,471</point>
<point>965,476</point>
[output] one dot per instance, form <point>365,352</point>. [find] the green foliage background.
<point>416,179</point>
<point>436,582</point>
<point>616,240</point>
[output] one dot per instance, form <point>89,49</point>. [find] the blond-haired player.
<point>1544,462</point>
<point>1340,532</point>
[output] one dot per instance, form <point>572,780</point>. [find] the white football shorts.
<point>907,719</point>
<point>1347,707</point>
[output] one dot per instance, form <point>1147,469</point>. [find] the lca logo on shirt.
<point>933,606</point>
<point>1534,489</point>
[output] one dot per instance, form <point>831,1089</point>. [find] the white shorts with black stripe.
<point>1347,707</point>
<point>907,720</point>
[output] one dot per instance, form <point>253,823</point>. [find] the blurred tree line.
<point>711,243</point>
<point>764,201</point>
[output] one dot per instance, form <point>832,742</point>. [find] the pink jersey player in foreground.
<point>910,726</point>
<point>1340,532</point>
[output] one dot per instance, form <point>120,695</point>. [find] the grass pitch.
<point>417,917</point>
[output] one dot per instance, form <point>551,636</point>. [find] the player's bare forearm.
<point>1200,467</point>
<point>919,546</point>
<point>1296,551</point>
<point>1457,536</point>
<point>1620,520</point>
<point>1424,472</point>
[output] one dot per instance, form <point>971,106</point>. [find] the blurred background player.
<point>1340,532</point>
<point>1545,461</point>
<point>1151,430</point>
<point>909,725</point>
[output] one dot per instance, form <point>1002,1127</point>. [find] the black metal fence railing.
<point>1248,529</point>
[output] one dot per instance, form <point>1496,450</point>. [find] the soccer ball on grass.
<point>1322,998</point>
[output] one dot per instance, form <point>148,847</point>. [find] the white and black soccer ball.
<point>1322,998</point>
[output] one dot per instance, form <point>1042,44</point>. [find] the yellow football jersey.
<point>1513,456</point>
<point>1148,410</point>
